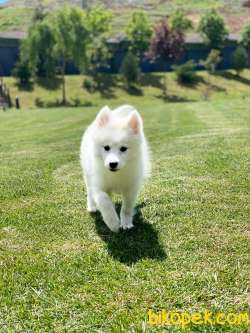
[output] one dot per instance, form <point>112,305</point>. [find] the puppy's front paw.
<point>113,225</point>
<point>91,209</point>
<point>112,221</point>
<point>126,222</point>
<point>91,206</point>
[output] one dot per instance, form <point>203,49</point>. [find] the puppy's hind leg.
<point>107,209</point>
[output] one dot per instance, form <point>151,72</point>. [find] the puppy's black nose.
<point>113,165</point>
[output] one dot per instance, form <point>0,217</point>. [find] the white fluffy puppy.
<point>115,158</point>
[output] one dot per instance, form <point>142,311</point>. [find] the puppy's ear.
<point>135,122</point>
<point>103,116</point>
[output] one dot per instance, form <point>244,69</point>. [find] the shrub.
<point>179,22</point>
<point>87,104</point>
<point>213,30</point>
<point>185,73</point>
<point>76,101</point>
<point>239,59</point>
<point>39,102</point>
<point>130,69</point>
<point>212,61</point>
<point>22,72</point>
<point>89,84</point>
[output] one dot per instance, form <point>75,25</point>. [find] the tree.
<point>213,30</point>
<point>68,35</point>
<point>41,43</point>
<point>71,40</point>
<point>165,43</point>
<point>98,20</point>
<point>130,69</point>
<point>212,61</point>
<point>99,24</point>
<point>23,70</point>
<point>179,22</point>
<point>139,32</point>
<point>239,59</point>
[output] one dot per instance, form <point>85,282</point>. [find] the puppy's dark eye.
<point>123,149</point>
<point>107,148</point>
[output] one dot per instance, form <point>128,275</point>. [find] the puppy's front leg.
<point>107,210</point>
<point>91,206</point>
<point>127,211</point>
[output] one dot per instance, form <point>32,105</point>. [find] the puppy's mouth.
<point>113,170</point>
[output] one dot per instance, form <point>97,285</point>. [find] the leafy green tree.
<point>99,21</point>
<point>139,32</point>
<point>179,22</point>
<point>68,35</point>
<point>240,59</point>
<point>213,30</point>
<point>41,43</point>
<point>130,69</point>
<point>212,61</point>
<point>71,40</point>
<point>99,24</point>
<point>38,59</point>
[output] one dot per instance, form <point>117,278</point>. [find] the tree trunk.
<point>64,100</point>
<point>164,85</point>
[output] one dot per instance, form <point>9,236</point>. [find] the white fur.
<point>121,127</point>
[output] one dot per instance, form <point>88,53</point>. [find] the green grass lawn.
<point>224,85</point>
<point>62,270</point>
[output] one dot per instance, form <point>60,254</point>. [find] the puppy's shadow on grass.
<point>130,246</point>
